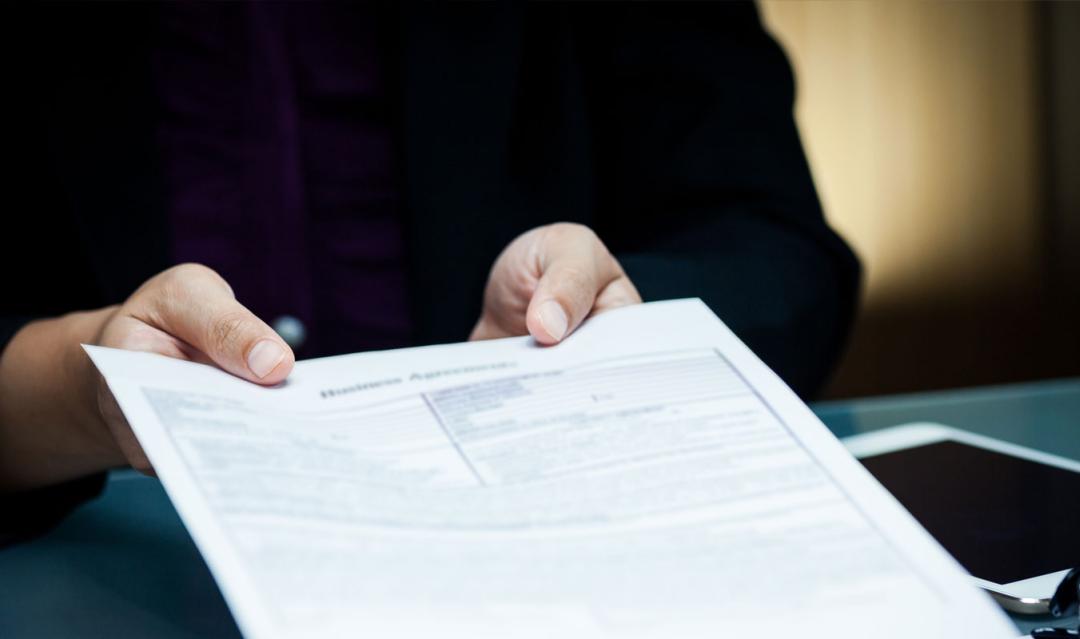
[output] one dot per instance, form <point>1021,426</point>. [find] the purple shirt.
<point>280,164</point>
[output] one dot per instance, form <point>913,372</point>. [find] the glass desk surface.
<point>123,565</point>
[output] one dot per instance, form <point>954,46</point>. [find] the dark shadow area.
<point>124,565</point>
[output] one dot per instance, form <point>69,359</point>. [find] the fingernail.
<point>264,357</point>
<point>553,319</point>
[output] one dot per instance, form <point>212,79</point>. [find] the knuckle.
<point>228,331</point>
<point>186,272</point>
<point>580,236</point>
<point>181,278</point>
<point>564,230</point>
<point>519,284</point>
<point>194,269</point>
<point>575,280</point>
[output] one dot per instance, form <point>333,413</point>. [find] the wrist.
<point>50,427</point>
<point>82,381</point>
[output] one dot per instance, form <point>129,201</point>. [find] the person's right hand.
<point>188,312</point>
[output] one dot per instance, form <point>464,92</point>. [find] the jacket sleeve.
<point>704,188</point>
<point>32,513</point>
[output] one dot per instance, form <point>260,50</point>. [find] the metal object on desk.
<point>1065,602</point>
<point>1066,599</point>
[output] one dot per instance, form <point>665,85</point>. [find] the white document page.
<point>648,477</point>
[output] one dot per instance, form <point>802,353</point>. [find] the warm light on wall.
<point>920,121</point>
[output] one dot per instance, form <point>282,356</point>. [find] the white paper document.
<point>648,477</point>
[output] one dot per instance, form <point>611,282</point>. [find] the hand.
<point>547,281</point>
<point>58,419</point>
<point>188,312</point>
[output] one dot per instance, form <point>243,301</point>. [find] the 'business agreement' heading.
<point>415,377</point>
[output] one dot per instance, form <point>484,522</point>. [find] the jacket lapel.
<point>460,66</point>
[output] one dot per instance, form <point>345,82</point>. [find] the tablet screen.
<point>1003,518</point>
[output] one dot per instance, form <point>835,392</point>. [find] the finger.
<point>575,266</point>
<point>132,334</point>
<point>621,292</point>
<point>489,327</point>
<point>196,305</point>
<point>485,329</point>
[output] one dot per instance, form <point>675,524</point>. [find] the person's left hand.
<point>547,281</point>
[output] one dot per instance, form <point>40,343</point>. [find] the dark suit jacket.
<point>665,127</point>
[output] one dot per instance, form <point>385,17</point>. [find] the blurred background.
<point>944,140</point>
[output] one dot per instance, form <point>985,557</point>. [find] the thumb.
<point>196,305</point>
<point>575,266</point>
